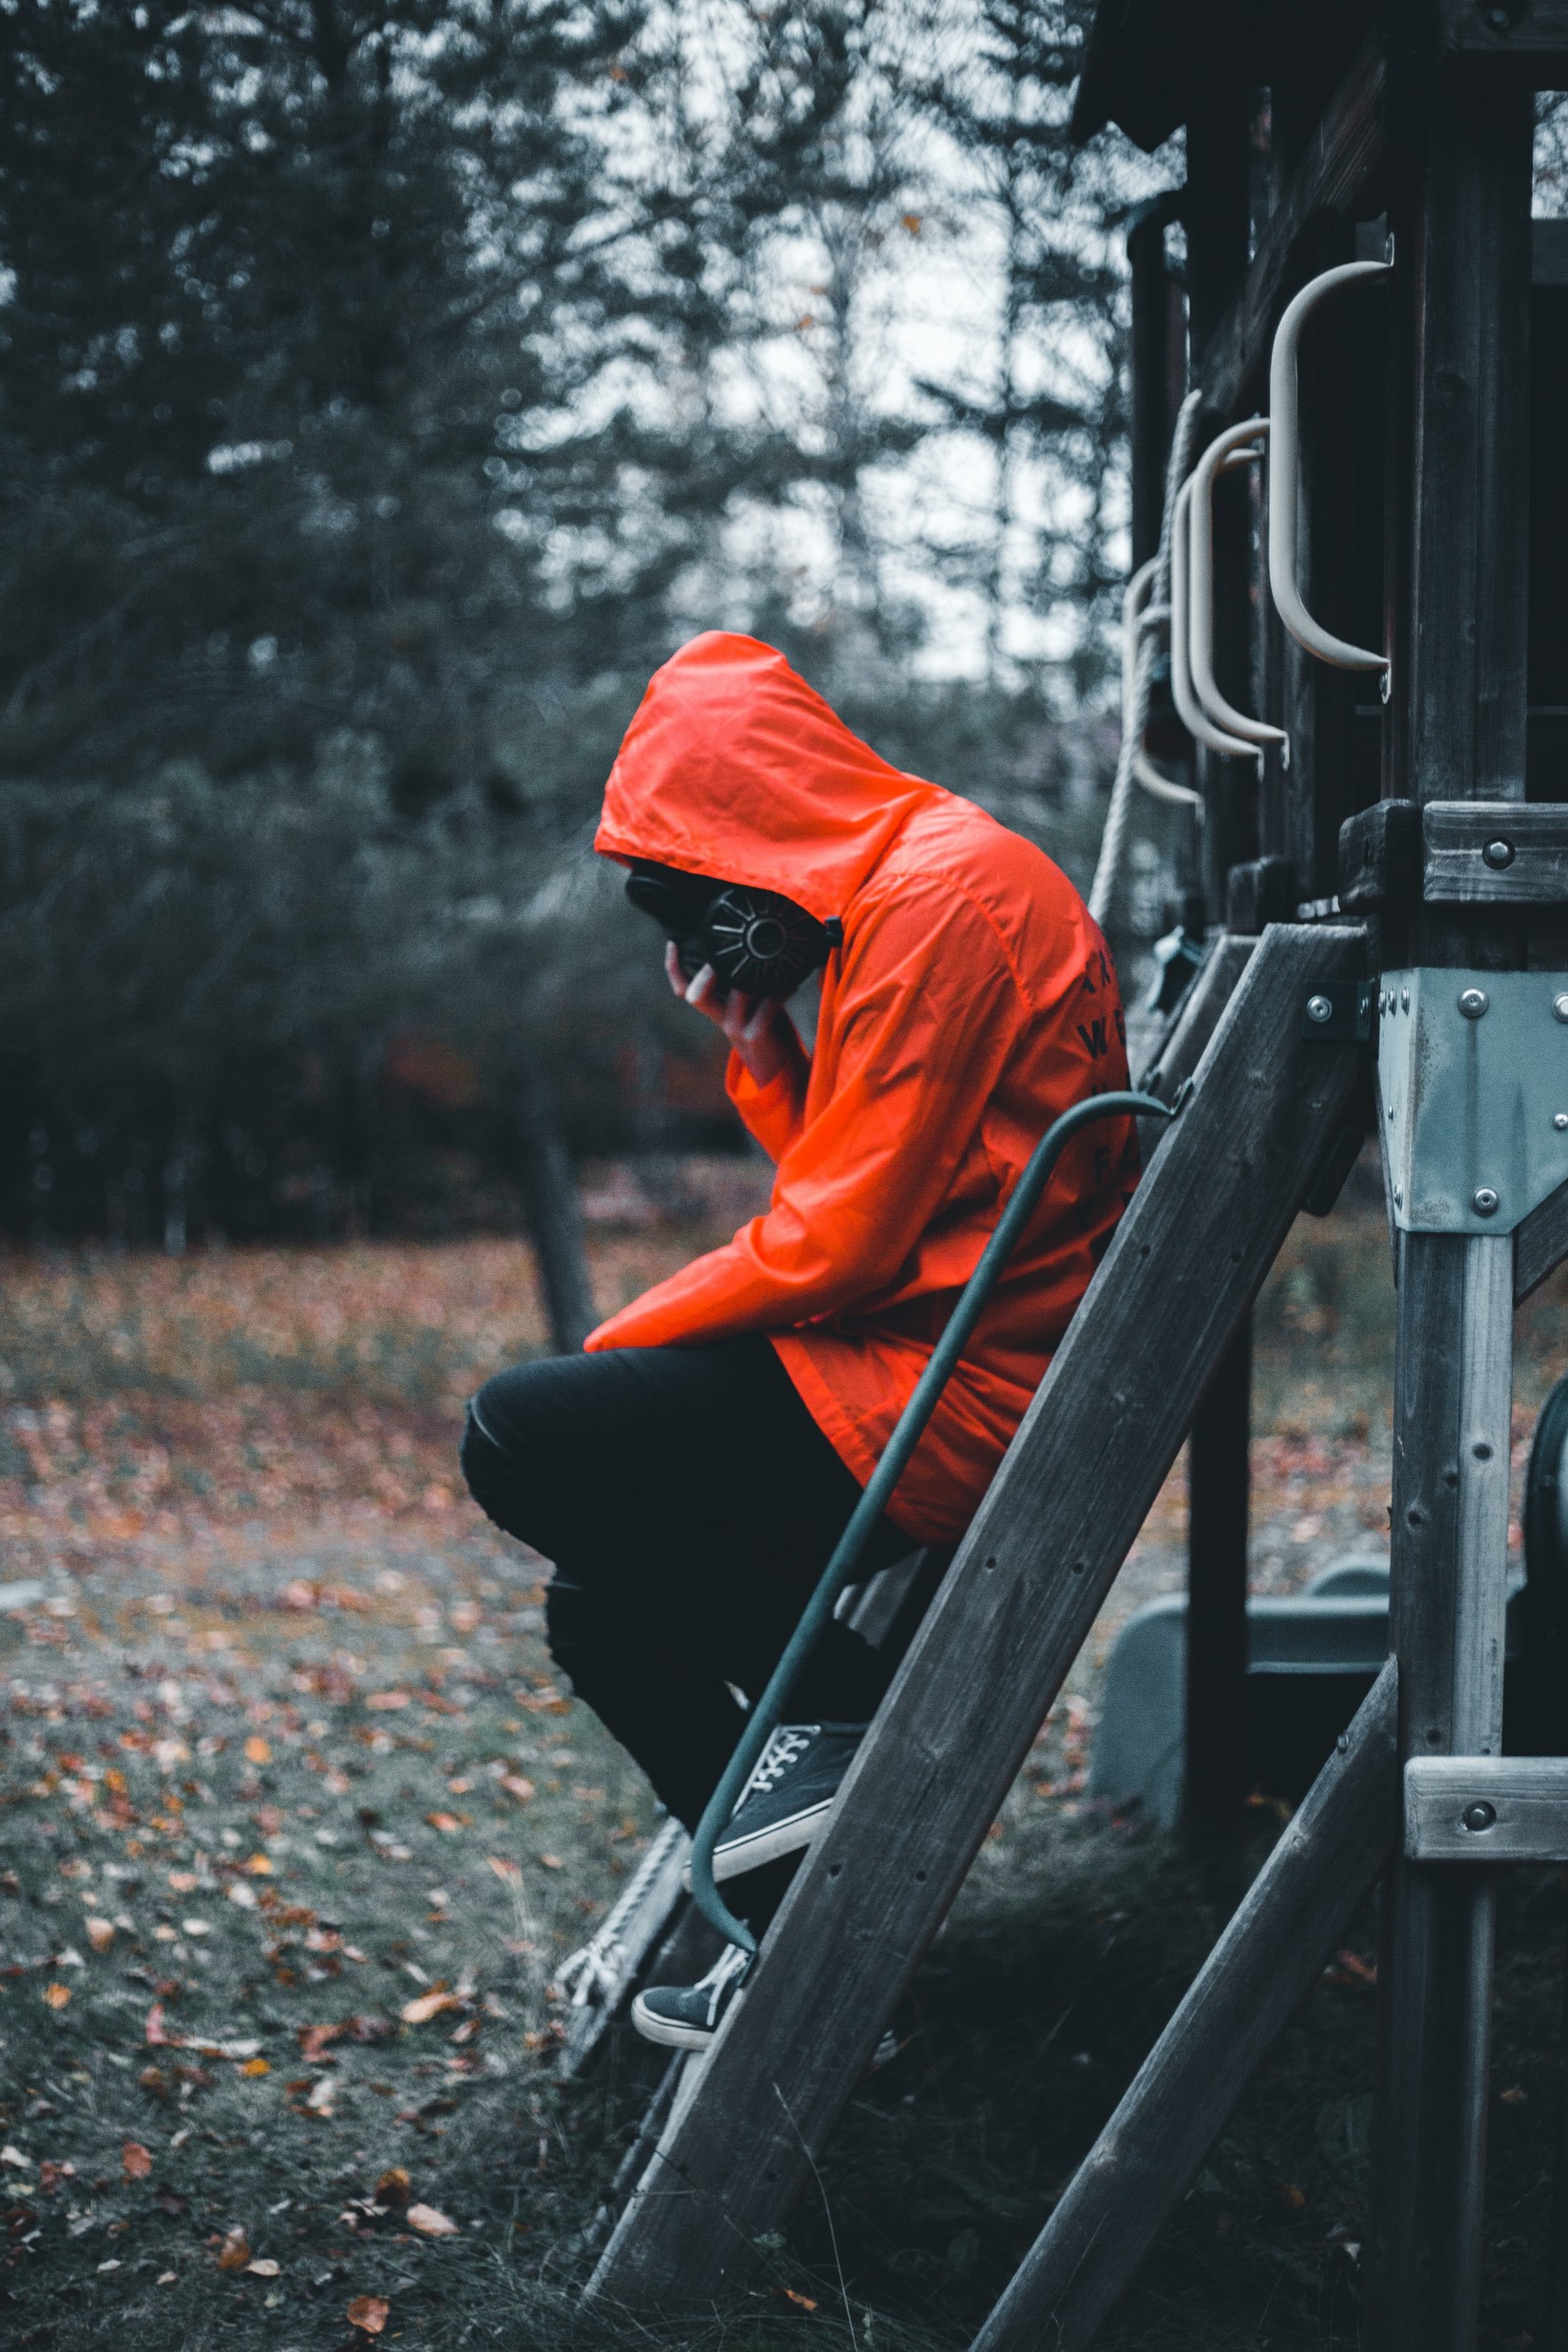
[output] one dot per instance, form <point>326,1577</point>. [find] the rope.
<point>1139,656</point>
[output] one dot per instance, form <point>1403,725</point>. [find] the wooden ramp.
<point>1269,1101</point>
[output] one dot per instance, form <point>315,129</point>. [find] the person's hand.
<point>756,1027</point>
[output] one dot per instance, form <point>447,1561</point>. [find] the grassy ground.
<point>298,1823</point>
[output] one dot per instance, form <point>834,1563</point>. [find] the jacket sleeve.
<point>771,1113</point>
<point>924,1016</point>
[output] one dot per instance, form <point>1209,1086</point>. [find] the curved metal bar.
<point>1284,477</point>
<point>1188,708</point>
<point>1226,453</point>
<point>767,1712</point>
<point>1138,618</point>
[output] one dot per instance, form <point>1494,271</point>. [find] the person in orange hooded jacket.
<point>689,1474</point>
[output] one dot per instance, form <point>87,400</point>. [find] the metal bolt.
<point>1473,1002</point>
<point>1319,1008</point>
<point>1560,1123</point>
<point>1498,854</point>
<point>1559,1008</point>
<point>1479,1816</point>
<point>1404,999</point>
<point>1391,1110</point>
<point>1484,1201</point>
<point>1399,1197</point>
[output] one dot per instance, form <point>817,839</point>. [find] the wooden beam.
<point>1196,1023</point>
<point>992,1652</point>
<point>1187,2088</point>
<point>1486,1809</point>
<point>1531,35</point>
<point>1497,853</point>
<point>1214,1780</point>
<point>1450,1522</point>
<point>1341,171</point>
<point>1539,1243</point>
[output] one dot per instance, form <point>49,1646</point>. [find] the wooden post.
<point>1187,2088</point>
<point>1216,206</point>
<point>1218,1493</point>
<point>1157,366</point>
<point>1459,506</point>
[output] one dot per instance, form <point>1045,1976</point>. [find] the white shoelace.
<point>787,1746</point>
<point>731,1962</point>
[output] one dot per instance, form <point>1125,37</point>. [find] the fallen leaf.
<point>322,2093</point>
<point>256,2066</point>
<point>183,1881</point>
<point>1291,2196</point>
<point>313,2039</point>
<point>99,1934</point>
<point>57,1996</point>
<point>551,1861</point>
<point>428,2004</point>
<point>392,2189</point>
<point>234,2253</point>
<point>267,2268</point>
<point>451,1822</point>
<point>430,2223</point>
<point>156,2033</point>
<point>243,1896</point>
<point>518,1785</point>
<point>16,2159</point>
<point>257,1750</point>
<point>154,2082</point>
<point>509,1872</point>
<point>382,1701</point>
<point>794,2296</point>
<point>135,2161</point>
<point>260,1866</point>
<point>369,2313</point>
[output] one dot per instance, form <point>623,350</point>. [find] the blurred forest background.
<point>386,386</point>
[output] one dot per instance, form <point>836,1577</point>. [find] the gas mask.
<point>756,941</point>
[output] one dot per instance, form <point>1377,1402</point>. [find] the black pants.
<point>689,1502</point>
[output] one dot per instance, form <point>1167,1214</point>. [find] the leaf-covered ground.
<point>298,1823</point>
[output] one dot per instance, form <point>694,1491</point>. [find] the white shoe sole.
<point>665,2029</point>
<point>767,1845</point>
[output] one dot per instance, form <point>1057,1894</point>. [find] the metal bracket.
<point>1473,1096</point>
<point>1338,1012</point>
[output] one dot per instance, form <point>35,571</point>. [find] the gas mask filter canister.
<point>756,941</point>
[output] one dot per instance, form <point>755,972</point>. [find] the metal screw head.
<point>1399,1197</point>
<point>1473,1002</point>
<point>1404,999</point>
<point>1559,1008</point>
<point>1319,1008</point>
<point>1560,1121</point>
<point>1479,1816</point>
<point>1498,854</point>
<point>1484,1200</point>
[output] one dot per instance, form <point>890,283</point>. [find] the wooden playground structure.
<point>1364,349</point>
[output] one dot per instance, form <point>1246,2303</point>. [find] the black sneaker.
<point>686,2017</point>
<point>788,1797</point>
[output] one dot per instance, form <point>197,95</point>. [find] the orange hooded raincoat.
<point>970,1002</point>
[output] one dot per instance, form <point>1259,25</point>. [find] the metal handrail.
<point>1237,445</point>
<point>1189,710</point>
<point>767,1714</point>
<point>1284,477</point>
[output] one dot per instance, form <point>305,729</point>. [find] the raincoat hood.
<point>735,767</point>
